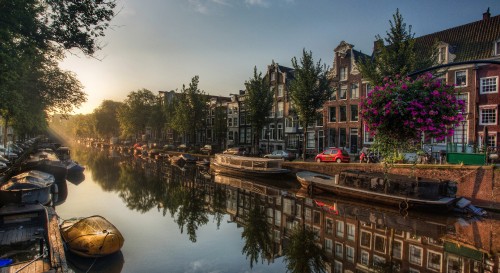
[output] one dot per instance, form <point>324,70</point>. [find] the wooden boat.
<point>24,238</point>
<point>28,187</point>
<point>92,236</point>
<point>248,166</point>
<point>389,189</point>
<point>72,167</point>
<point>46,161</point>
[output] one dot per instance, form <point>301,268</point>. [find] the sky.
<point>160,45</point>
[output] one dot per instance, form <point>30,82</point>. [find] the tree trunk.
<point>304,141</point>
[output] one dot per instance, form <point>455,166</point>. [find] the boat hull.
<point>248,166</point>
<point>91,237</point>
<point>28,187</point>
<point>315,183</point>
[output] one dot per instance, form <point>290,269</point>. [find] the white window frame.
<point>281,107</point>
<point>361,240</point>
<point>329,226</point>
<point>413,259</point>
<point>343,92</point>
<point>281,88</point>
<point>378,259</point>
<point>350,252</point>
<point>328,245</point>
<point>354,93</point>
<point>343,73</point>
<point>364,258</point>
<point>339,250</point>
<point>496,47</point>
<point>440,265</point>
<point>466,77</point>
<point>488,82</point>
<point>384,243</point>
<point>442,54</point>
<point>339,229</point>
<point>351,232</point>
<point>400,252</point>
<point>483,109</point>
<point>337,268</point>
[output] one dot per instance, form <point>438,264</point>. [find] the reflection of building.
<point>361,238</point>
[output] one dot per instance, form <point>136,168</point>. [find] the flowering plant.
<point>402,109</point>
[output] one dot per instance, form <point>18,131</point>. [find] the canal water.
<point>186,219</point>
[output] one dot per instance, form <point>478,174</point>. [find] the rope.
<point>88,270</point>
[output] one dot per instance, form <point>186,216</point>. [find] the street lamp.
<point>464,121</point>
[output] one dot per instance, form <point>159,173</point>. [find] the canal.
<point>185,219</point>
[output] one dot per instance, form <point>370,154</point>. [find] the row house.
<point>476,83</point>
<point>216,123</point>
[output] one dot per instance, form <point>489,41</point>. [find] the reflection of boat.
<point>389,189</point>
<point>110,264</point>
<point>248,166</point>
<point>73,167</point>
<point>24,238</point>
<point>265,187</point>
<point>92,236</point>
<point>76,178</point>
<point>28,187</point>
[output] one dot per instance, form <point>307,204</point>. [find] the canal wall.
<point>479,184</point>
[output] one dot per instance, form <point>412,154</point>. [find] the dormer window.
<point>273,76</point>
<point>497,47</point>
<point>442,54</point>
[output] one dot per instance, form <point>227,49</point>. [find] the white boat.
<point>28,187</point>
<point>388,189</point>
<point>248,166</point>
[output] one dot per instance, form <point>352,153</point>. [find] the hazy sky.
<point>163,44</point>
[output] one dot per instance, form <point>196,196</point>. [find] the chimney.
<point>486,15</point>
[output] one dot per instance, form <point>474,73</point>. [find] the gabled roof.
<point>472,41</point>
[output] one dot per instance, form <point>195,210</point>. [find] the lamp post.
<point>463,131</point>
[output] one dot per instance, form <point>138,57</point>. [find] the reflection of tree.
<point>219,204</point>
<point>258,242</point>
<point>140,192</point>
<point>303,254</point>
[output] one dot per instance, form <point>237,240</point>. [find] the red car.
<point>333,155</point>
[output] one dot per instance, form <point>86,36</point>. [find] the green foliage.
<point>395,54</point>
<point>309,90</point>
<point>259,101</point>
<point>303,255</point>
<point>135,111</point>
<point>106,117</point>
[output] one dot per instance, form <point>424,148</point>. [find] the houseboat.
<point>388,189</point>
<point>28,187</point>
<point>248,166</point>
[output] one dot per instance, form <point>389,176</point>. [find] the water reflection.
<point>353,236</point>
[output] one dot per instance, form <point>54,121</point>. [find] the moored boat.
<point>24,240</point>
<point>389,189</point>
<point>248,166</point>
<point>28,187</point>
<point>92,236</point>
<point>46,161</point>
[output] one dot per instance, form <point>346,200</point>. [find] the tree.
<point>395,54</point>
<point>34,35</point>
<point>190,111</point>
<point>135,112</point>
<point>309,91</point>
<point>303,255</point>
<point>106,116</point>
<point>259,101</point>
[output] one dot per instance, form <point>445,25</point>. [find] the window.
<point>366,239</point>
<point>328,245</point>
<point>280,109</point>
<point>343,113</point>
<point>354,112</point>
<point>342,137</point>
<point>308,215</point>
<point>378,261</point>
<point>488,85</point>
<point>316,217</point>
<point>230,122</point>
<point>379,244</point>
<point>497,48</point>
<point>434,261</point>
<point>339,250</point>
<point>349,254</point>
<point>491,141</point>
<point>230,135</point>
<point>397,249</point>
<point>343,92</point>
<point>413,270</point>
<point>354,91</point>
<point>272,133</point>
<point>235,122</point>
<point>273,76</point>
<point>280,131</point>
<point>368,138</point>
<point>368,88</point>
<point>415,255</point>
<point>488,115</point>
<point>280,90</point>
<point>343,73</point>
<point>340,229</point>
<point>461,130</point>
<point>329,226</point>
<point>351,231</point>
<point>364,259</point>
<point>337,267</point>
<point>454,264</point>
<point>310,140</point>
<point>332,114</point>
<point>461,78</point>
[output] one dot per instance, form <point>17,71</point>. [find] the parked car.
<point>333,154</point>
<point>8,154</point>
<point>281,154</point>
<point>235,151</point>
<point>188,158</point>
